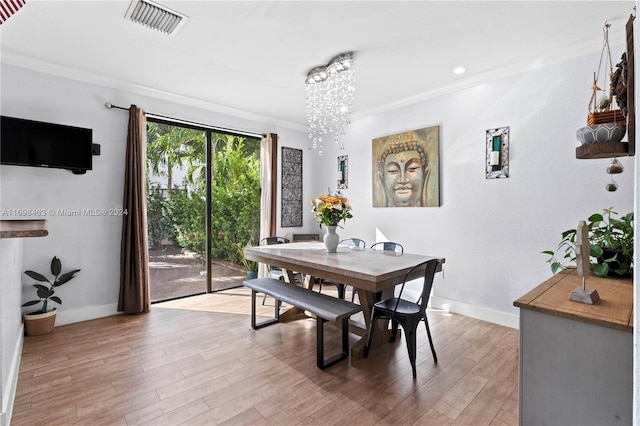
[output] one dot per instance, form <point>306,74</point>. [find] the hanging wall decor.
<point>497,157</point>
<point>406,169</point>
<point>291,194</point>
<point>343,172</point>
<point>608,121</point>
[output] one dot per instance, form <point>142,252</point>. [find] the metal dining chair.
<point>388,246</point>
<point>352,244</point>
<point>407,313</point>
<point>273,271</point>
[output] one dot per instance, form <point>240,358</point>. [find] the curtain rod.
<point>187,122</point>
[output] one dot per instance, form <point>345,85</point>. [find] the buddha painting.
<point>406,169</point>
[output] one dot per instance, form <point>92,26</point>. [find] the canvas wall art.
<point>406,169</point>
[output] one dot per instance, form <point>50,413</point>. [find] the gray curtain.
<point>134,259</point>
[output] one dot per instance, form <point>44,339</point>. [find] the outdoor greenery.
<point>169,147</point>
<point>179,215</point>
<point>158,225</point>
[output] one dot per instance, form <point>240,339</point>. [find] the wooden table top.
<point>368,269</point>
<point>613,310</point>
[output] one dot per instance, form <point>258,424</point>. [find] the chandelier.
<point>329,97</point>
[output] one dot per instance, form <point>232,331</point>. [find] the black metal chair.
<point>388,246</point>
<point>406,313</point>
<point>274,271</point>
<point>353,244</point>
<point>267,241</point>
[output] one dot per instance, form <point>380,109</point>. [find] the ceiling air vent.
<point>155,16</point>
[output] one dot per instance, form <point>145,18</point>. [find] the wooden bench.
<point>325,308</point>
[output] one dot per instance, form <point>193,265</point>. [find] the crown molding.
<point>475,80</point>
<point>22,61</point>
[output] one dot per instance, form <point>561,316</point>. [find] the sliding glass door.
<point>194,174</point>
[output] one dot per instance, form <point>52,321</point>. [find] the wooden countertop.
<point>613,310</point>
<point>22,228</point>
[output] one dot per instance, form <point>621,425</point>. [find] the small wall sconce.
<point>497,160</point>
<point>343,172</point>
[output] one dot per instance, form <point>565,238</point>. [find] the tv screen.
<point>34,143</point>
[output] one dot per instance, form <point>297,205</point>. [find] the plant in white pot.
<point>43,320</point>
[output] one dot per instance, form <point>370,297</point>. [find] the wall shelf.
<point>602,150</point>
<point>23,228</point>
<point>619,149</point>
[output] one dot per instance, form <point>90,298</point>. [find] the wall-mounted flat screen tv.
<point>34,143</point>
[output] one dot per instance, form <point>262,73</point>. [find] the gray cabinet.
<point>576,360</point>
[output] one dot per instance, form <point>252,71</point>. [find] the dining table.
<point>373,273</point>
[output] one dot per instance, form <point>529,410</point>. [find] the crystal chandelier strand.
<point>329,97</point>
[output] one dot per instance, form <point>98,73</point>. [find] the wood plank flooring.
<point>197,361</point>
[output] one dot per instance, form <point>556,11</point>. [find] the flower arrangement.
<point>331,209</point>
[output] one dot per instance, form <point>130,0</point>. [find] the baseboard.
<point>478,312</point>
<point>9,394</point>
<point>70,316</point>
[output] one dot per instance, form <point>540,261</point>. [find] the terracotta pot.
<point>38,323</point>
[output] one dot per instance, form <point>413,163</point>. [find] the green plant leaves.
<point>56,266</point>
<point>41,287</point>
<point>595,250</point>
<point>601,269</point>
<point>36,276</point>
<point>65,277</point>
<point>596,217</point>
<point>605,232</point>
<point>45,293</point>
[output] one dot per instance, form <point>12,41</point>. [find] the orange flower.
<point>331,209</point>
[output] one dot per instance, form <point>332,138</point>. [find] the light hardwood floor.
<point>206,366</point>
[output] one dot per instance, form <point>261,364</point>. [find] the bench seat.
<point>325,308</point>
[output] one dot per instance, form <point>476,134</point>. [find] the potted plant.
<point>250,265</point>
<point>43,320</point>
<point>611,240</point>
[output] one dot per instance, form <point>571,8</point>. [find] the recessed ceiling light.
<point>459,70</point>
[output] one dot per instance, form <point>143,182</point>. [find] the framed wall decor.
<point>406,169</point>
<point>497,157</point>
<point>343,172</point>
<point>291,193</point>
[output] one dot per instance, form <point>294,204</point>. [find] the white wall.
<point>491,232</point>
<point>89,243</point>
<point>10,324</point>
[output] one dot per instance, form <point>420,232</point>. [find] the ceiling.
<point>250,58</point>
